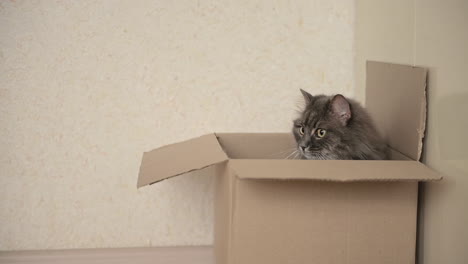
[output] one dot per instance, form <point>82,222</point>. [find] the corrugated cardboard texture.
<point>333,170</point>
<point>323,222</point>
<point>396,99</point>
<point>179,158</point>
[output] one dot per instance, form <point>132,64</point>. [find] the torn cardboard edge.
<point>396,100</point>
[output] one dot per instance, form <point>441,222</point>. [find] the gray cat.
<point>333,127</point>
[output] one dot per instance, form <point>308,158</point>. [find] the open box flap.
<point>333,170</point>
<point>396,100</point>
<point>175,159</point>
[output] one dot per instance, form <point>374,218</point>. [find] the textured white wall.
<point>87,86</point>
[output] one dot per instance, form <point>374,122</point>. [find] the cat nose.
<point>303,148</point>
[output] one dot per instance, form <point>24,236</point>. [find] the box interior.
<point>268,146</point>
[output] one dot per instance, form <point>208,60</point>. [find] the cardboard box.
<point>274,210</point>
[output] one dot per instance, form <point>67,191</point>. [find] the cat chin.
<point>318,156</point>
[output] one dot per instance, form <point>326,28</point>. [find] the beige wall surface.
<point>384,32</point>
<point>87,86</point>
<point>432,34</point>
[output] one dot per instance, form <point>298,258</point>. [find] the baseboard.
<point>155,255</point>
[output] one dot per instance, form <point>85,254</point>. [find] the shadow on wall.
<point>453,127</point>
<point>448,155</point>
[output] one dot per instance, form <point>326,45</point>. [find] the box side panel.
<point>395,155</point>
<point>396,99</point>
<point>324,222</point>
<point>257,145</point>
<point>223,213</point>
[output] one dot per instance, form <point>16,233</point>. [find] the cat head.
<point>321,125</point>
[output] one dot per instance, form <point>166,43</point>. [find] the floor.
<point>166,255</point>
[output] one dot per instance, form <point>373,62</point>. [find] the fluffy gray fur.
<point>349,131</point>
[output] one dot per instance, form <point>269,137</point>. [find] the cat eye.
<point>320,132</point>
<point>301,130</point>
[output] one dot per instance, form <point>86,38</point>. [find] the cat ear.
<point>307,96</point>
<point>339,107</point>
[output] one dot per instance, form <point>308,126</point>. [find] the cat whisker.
<point>296,155</point>
<point>281,153</point>
<point>287,157</point>
<point>292,154</point>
